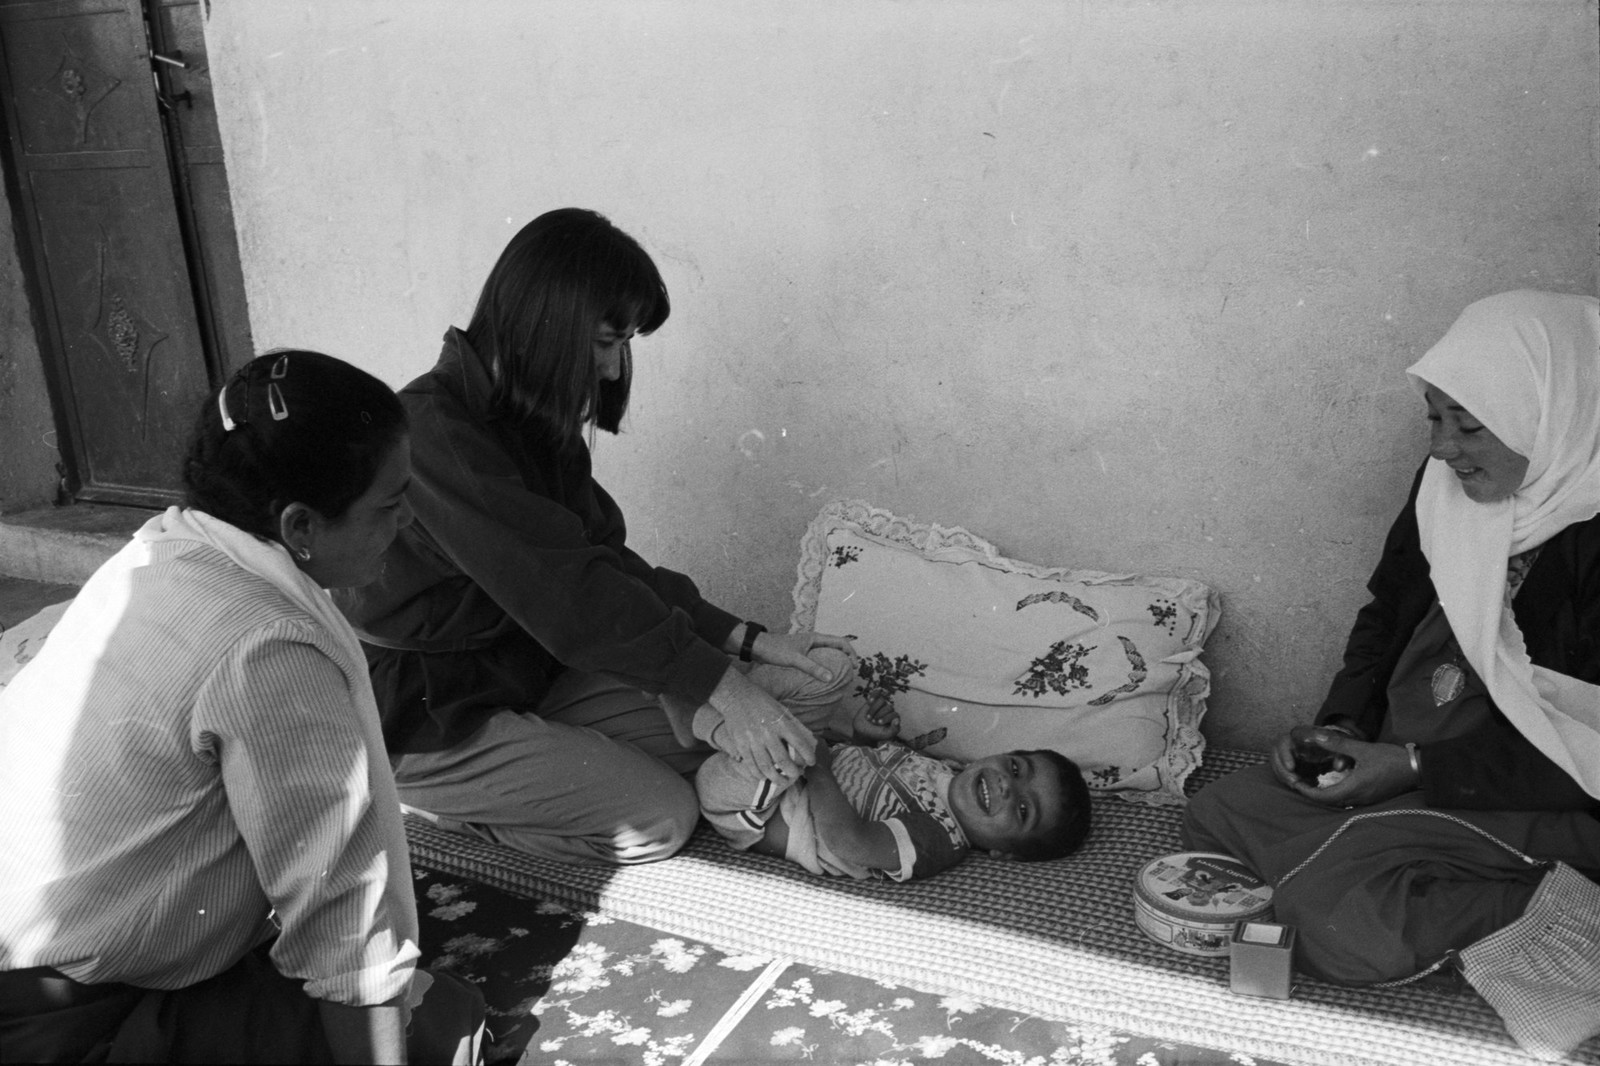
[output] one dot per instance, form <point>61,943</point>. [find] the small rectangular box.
<point>1261,959</point>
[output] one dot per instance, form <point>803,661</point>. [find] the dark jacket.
<point>1558,610</point>
<point>516,568</point>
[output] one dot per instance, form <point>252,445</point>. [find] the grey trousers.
<point>593,775</point>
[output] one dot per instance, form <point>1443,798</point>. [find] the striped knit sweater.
<point>182,759</point>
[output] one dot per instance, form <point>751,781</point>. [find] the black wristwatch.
<point>751,631</point>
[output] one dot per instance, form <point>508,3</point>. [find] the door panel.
<point>123,318</point>
<point>71,98</point>
<point>180,28</point>
<point>126,346</point>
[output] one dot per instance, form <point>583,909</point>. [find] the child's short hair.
<point>1073,826</point>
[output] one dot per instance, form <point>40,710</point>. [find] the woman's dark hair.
<point>288,427</point>
<point>1073,824</point>
<point>564,276</point>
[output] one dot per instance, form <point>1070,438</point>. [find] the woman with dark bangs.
<point>520,651</point>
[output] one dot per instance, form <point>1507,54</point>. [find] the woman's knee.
<point>662,831</point>
<point>655,818</point>
<point>1213,816</point>
<point>1344,935</point>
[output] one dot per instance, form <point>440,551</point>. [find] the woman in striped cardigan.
<point>201,853</point>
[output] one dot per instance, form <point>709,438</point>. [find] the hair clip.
<point>275,404</point>
<point>228,424</point>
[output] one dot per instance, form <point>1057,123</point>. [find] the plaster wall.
<point>1116,284</point>
<point>28,452</point>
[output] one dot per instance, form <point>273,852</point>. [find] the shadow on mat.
<point>504,944</point>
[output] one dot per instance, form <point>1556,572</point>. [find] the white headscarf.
<point>1527,365</point>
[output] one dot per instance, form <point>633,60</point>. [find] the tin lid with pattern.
<point>1202,886</point>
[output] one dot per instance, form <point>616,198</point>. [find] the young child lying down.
<point>877,807</point>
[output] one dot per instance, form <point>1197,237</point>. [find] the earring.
<point>304,554</point>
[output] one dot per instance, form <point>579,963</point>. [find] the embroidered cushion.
<point>983,654</point>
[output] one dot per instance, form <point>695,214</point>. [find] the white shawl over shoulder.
<point>1526,365</point>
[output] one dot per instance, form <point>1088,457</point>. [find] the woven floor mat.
<point>1056,940</point>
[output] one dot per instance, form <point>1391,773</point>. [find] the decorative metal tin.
<point>1192,900</point>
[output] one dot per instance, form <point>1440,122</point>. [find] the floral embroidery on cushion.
<point>938,595</point>
<point>1107,776</point>
<point>1165,612</point>
<point>1059,597</point>
<point>1136,674</point>
<point>883,676</point>
<point>1057,670</point>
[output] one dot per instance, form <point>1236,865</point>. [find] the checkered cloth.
<point>1542,972</point>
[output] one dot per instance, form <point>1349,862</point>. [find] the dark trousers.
<point>1392,895</point>
<point>249,1013</point>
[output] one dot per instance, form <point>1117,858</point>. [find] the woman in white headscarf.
<point>1471,682</point>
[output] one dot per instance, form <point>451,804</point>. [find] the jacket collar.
<point>463,372</point>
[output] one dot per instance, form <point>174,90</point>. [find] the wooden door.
<point>125,271</point>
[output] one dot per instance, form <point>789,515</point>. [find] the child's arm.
<point>851,837</point>
<point>848,835</point>
<point>858,840</point>
<point>872,723</point>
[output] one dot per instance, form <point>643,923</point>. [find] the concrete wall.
<point>28,452</point>
<point>1117,284</point>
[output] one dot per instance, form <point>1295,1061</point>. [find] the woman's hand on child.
<point>877,721</point>
<point>789,649</point>
<point>759,730</point>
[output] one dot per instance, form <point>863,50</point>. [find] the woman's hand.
<point>759,730</point>
<point>1381,771</point>
<point>789,649</point>
<point>1283,755</point>
<point>1282,760</point>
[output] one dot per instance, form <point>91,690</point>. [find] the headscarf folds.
<point>1527,366</point>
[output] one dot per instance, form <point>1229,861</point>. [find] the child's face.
<point>1005,801</point>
